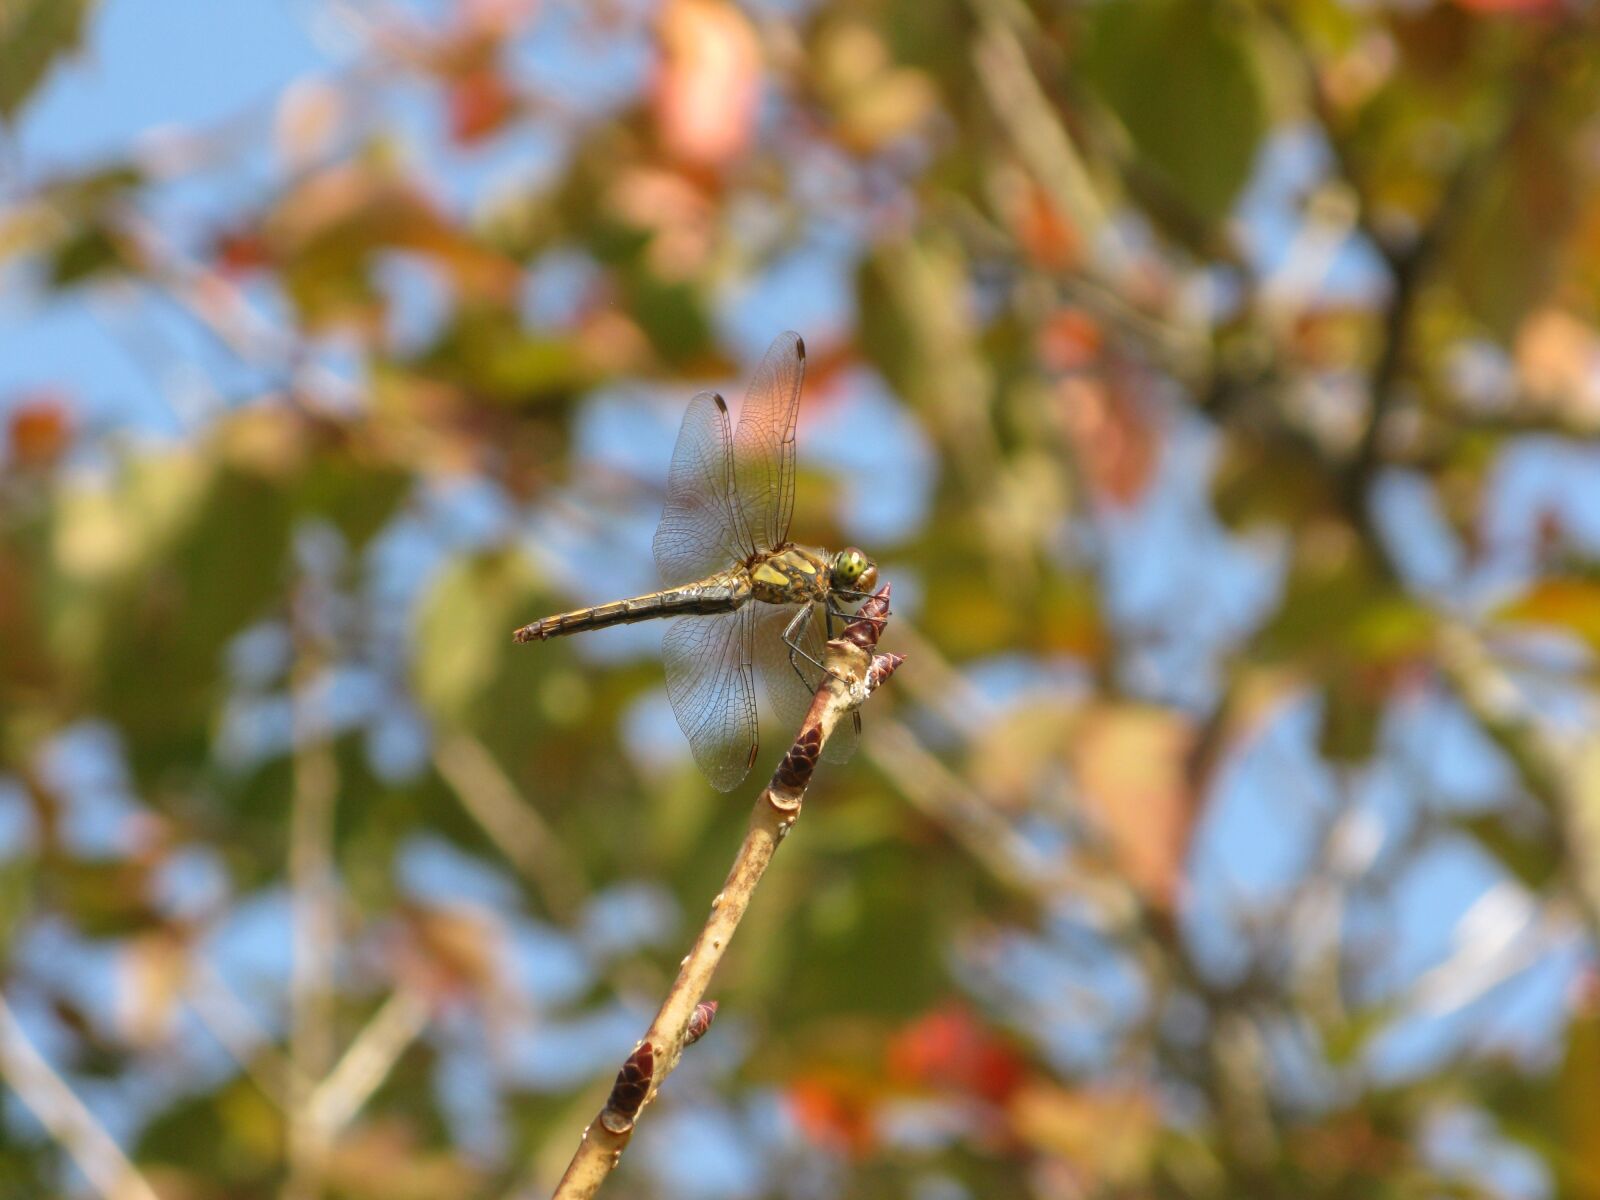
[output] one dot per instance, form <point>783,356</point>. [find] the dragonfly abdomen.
<point>714,595</point>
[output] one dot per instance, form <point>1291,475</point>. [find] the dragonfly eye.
<point>851,568</point>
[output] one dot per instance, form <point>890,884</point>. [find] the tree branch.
<point>59,1109</point>
<point>857,670</point>
<point>313,901</point>
<point>514,825</point>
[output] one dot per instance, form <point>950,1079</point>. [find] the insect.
<point>745,597</point>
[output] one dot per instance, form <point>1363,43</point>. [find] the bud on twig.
<point>699,1021</point>
<point>632,1086</point>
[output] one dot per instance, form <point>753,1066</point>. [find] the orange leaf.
<point>1132,768</point>
<point>40,429</point>
<point>1558,358</point>
<point>706,92</point>
<point>1070,340</point>
<point>835,1111</point>
<point>1045,235</point>
<point>1115,441</point>
<point>1108,1132</point>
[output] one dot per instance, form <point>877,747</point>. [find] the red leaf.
<point>1524,8</point>
<point>835,1111</point>
<point>949,1048</point>
<point>40,429</point>
<point>479,103</point>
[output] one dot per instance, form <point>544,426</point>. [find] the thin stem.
<point>64,1114</point>
<point>311,1038</point>
<point>855,671</point>
<point>514,825</point>
<point>368,1061</point>
<point>237,1031</point>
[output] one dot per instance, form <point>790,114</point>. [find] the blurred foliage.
<point>1253,348</point>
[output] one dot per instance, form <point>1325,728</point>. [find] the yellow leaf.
<point>1108,1131</point>
<point>1573,604</point>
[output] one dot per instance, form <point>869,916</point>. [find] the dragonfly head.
<point>853,571</point>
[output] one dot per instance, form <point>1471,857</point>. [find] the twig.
<point>226,1018</point>
<point>945,798</point>
<point>857,670</point>
<point>1017,99</point>
<point>68,1119</point>
<point>1410,266</point>
<point>368,1061</point>
<point>1561,778</point>
<point>314,938</point>
<point>514,825</point>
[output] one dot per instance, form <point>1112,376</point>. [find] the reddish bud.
<point>633,1083</point>
<point>699,1021</point>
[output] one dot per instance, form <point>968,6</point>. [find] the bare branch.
<point>311,878</point>
<point>514,825</point>
<point>368,1061</point>
<point>236,1029</point>
<point>67,1118</point>
<point>856,670</point>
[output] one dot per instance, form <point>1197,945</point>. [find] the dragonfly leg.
<point>791,634</point>
<point>853,597</point>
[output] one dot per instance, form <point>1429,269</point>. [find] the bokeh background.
<point>1216,382</point>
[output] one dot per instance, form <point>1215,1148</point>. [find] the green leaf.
<point>33,34</point>
<point>464,630</point>
<point>1352,712</point>
<point>1510,252</point>
<point>89,252</point>
<point>1532,855</point>
<point>1181,80</point>
<point>486,351</point>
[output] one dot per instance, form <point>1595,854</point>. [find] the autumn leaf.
<point>1114,437</point>
<point>1107,1132</point>
<point>708,83</point>
<point>39,429</point>
<point>479,104</point>
<point>836,1109</point>
<point>1131,764</point>
<point>951,1048</point>
<point>1569,603</point>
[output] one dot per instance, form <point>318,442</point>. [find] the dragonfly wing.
<point>699,533</point>
<point>711,684</point>
<point>789,691</point>
<point>763,446</point>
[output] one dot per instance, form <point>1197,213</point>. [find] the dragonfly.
<point>745,598</point>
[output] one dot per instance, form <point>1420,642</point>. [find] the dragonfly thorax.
<point>793,575</point>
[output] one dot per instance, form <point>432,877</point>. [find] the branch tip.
<point>883,666</point>
<point>867,626</point>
